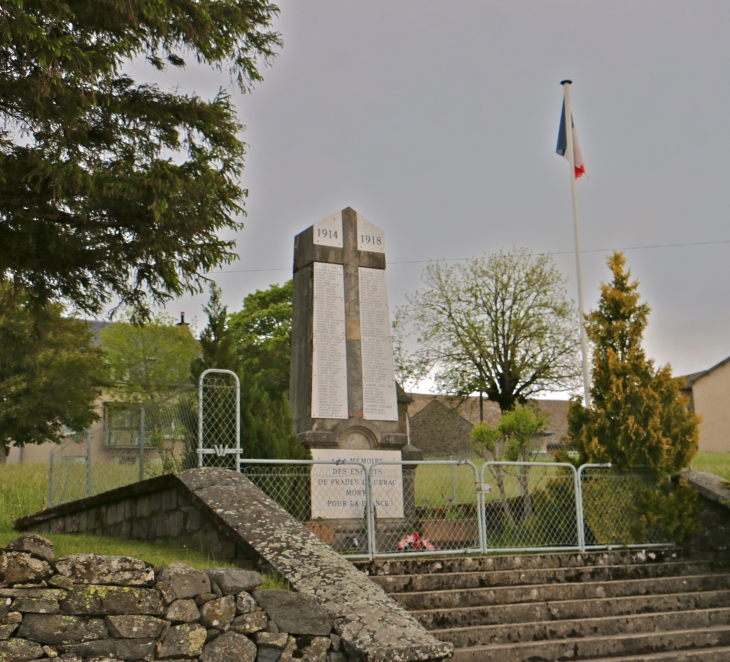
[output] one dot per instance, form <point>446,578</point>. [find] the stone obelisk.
<point>343,391</point>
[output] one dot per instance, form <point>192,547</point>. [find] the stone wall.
<point>158,509</point>
<point>231,509</point>
<point>713,538</point>
<point>97,608</point>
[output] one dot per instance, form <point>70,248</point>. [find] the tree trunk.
<point>481,407</point>
<point>3,454</point>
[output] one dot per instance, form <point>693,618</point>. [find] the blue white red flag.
<point>562,147</point>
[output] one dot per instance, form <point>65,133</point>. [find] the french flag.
<point>562,147</point>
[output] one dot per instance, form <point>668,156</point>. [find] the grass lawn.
<point>23,489</point>
<point>714,463</point>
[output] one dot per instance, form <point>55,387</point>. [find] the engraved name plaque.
<point>329,360</point>
<point>380,402</point>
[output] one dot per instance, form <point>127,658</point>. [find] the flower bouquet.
<point>415,542</point>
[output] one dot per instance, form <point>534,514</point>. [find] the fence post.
<point>372,538</point>
<point>141,443</point>
<point>578,476</point>
<point>49,498</point>
<point>453,481</point>
<point>88,462</point>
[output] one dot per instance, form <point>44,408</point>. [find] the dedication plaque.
<point>369,236</point>
<point>380,400</point>
<point>328,231</point>
<point>329,360</point>
<point>338,490</point>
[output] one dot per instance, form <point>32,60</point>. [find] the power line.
<point>462,259</point>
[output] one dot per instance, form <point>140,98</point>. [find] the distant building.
<point>709,393</point>
<point>440,426</point>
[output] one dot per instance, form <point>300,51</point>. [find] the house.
<point>440,426</point>
<point>709,394</point>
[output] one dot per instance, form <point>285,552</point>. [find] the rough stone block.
<point>295,612</point>
<point>139,529</point>
<point>268,655</point>
<point>277,641</point>
<point>112,600</point>
<point>134,649</point>
<point>200,600</point>
<point>245,603</point>
<point>83,522</point>
<point>182,611</point>
<point>218,613</point>
<point>7,629</point>
<point>62,583</point>
<point>317,650</point>
<point>22,568</point>
<point>287,655</point>
<point>97,569</point>
<point>135,627</point>
<point>18,649</point>
<point>193,523</point>
<point>155,502</point>
<point>183,641</point>
<point>36,605</point>
<point>116,649</point>
<point>168,596</point>
<point>176,523</point>
<point>229,647</point>
<point>249,623</point>
<point>186,582</point>
<point>232,581</point>
<point>33,543</point>
<point>57,629</point>
<point>169,500</point>
<point>143,506</point>
<point>163,526</point>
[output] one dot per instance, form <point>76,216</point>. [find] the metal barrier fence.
<point>390,509</point>
<point>385,509</point>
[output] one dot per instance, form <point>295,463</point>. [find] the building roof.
<point>693,377</point>
<point>468,409</point>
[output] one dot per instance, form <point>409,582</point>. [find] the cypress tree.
<point>639,418</point>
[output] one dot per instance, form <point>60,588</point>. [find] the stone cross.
<point>343,391</point>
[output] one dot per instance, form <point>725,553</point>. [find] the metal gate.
<point>219,419</point>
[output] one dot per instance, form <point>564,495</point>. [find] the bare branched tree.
<point>501,326</point>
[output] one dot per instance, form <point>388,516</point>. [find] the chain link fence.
<point>609,508</point>
<point>133,441</point>
<point>529,505</point>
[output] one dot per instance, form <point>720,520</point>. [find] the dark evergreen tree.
<point>51,373</point>
<point>92,206</point>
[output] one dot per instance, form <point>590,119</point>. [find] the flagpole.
<point>578,261</point>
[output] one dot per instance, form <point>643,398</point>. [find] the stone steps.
<point>635,646</point>
<point>552,592</point>
<point>599,606</point>
<point>705,655</point>
<point>432,565</point>
<point>480,579</point>
<point>439,619</point>
<point>605,626</point>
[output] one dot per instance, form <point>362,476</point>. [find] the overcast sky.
<point>438,122</point>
